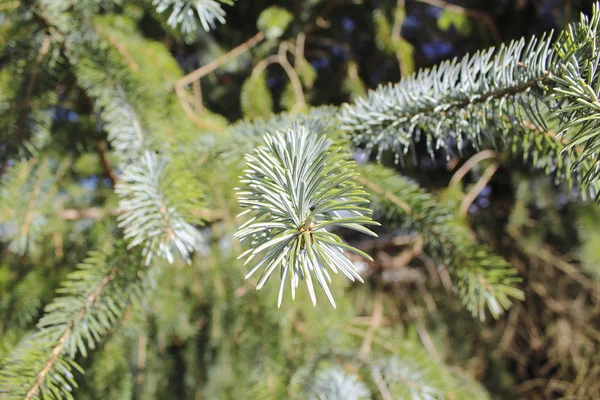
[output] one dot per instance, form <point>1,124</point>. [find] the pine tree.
<point>126,206</point>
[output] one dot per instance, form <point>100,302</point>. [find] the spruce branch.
<point>406,373</point>
<point>91,300</point>
<point>185,13</point>
<point>156,208</point>
<point>30,85</point>
<point>450,105</point>
<point>37,371</point>
<point>481,279</point>
<point>334,383</point>
<point>26,93</point>
<point>26,196</point>
<point>505,98</point>
<point>298,189</point>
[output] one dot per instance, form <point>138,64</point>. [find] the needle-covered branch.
<point>298,190</point>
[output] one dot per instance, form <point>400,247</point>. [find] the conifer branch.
<point>298,190</point>
<point>58,349</point>
<point>91,300</point>
<point>492,99</point>
<point>184,13</point>
<point>481,279</point>
<point>156,208</point>
<point>30,85</point>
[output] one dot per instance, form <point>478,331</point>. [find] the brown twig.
<point>108,168</point>
<point>426,339</point>
<point>381,385</point>
<point>197,96</point>
<point>292,75</point>
<point>543,254</point>
<point>374,324</point>
<point>32,201</point>
<point>119,47</point>
<point>208,68</point>
<point>477,188</point>
<point>443,240</point>
<point>394,199</point>
<point>470,163</point>
<point>72,214</point>
<point>263,64</point>
<point>141,360</point>
<point>299,53</point>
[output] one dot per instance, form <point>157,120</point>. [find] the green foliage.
<point>27,93</point>
<point>256,97</point>
<point>353,85</point>
<point>288,97</point>
<point>458,21</point>
<point>577,79</point>
<point>589,253</point>
<point>298,190</point>
<point>306,72</point>
<point>384,32</point>
<point>91,300</point>
<point>391,42</point>
<point>274,21</point>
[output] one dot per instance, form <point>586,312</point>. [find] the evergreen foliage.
<point>300,191</point>
<point>503,94</point>
<point>126,205</point>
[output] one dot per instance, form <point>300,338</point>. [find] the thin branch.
<point>108,168</point>
<point>299,51</point>
<point>197,96</point>
<point>477,188</point>
<point>72,214</point>
<point>421,329</point>
<point>263,64</point>
<point>208,68</point>
<point>373,325</point>
<point>470,163</point>
<point>543,254</point>
<point>381,385</point>
<point>359,332</point>
<point>391,197</point>
<point>32,201</point>
<point>293,75</point>
<point>119,46</point>
<point>141,361</point>
<point>93,213</point>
